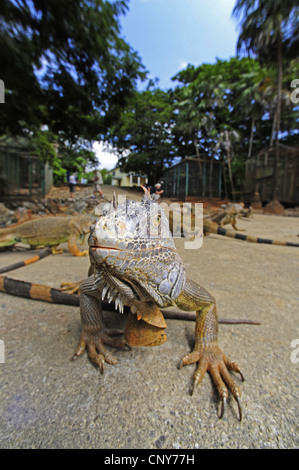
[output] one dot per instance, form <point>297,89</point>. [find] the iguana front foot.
<point>94,340</point>
<point>70,287</point>
<point>56,251</point>
<point>210,358</point>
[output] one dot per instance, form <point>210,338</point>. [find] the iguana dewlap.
<point>135,263</point>
<point>49,231</point>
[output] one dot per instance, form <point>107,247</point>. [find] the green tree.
<point>211,106</point>
<point>65,66</point>
<point>268,25</point>
<point>236,96</point>
<point>200,105</point>
<point>143,133</point>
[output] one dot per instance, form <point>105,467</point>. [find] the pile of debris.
<point>56,203</point>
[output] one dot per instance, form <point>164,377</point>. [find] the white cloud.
<point>106,155</point>
<point>183,64</point>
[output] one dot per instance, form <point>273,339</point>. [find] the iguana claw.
<point>223,406</point>
<point>95,341</point>
<point>212,359</point>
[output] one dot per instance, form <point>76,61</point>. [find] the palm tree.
<point>198,103</point>
<point>226,140</point>
<point>268,25</point>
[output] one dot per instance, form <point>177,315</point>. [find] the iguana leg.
<point>236,228</point>
<point>206,351</point>
<point>234,225</point>
<point>94,335</point>
<point>73,248</point>
<point>74,287</point>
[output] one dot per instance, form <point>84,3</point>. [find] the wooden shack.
<point>21,172</point>
<point>260,175</point>
<point>195,177</point>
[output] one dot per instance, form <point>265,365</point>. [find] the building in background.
<point>194,177</point>
<point>123,179</point>
<point>260,175</point>
<point>21,172</point>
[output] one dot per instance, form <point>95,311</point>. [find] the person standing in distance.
<point>98,180</point>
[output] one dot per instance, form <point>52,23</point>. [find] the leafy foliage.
<point>143,133</point>
<point>65,67</point>
<point>68,71</point>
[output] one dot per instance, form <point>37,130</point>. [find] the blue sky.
<point>169,34</point>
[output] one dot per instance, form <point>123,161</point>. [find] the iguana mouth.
<point>96,247</point>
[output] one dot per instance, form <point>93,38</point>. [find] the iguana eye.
<point>157,220</point>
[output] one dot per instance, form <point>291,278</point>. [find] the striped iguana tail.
<point>19,264</point>
<point>213,228</point>
<point>56,296</point>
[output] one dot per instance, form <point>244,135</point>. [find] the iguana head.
<point>131,242</point>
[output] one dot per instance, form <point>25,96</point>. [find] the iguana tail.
<point>55,296</point>
<point>42,254</point>
<point>36,291</point>
<point>249,238</point>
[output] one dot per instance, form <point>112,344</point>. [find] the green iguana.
<point>135,264</point>
<point>49,231</point>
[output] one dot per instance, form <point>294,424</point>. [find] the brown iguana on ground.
<point>239,208</point>
<point>225,217</point>
<point>135,264</point>
<point>49,231</point>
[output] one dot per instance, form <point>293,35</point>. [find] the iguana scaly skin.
<point>135,264</point>
<point>49,231</point>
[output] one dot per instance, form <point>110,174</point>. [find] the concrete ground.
<point>144,402</point>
